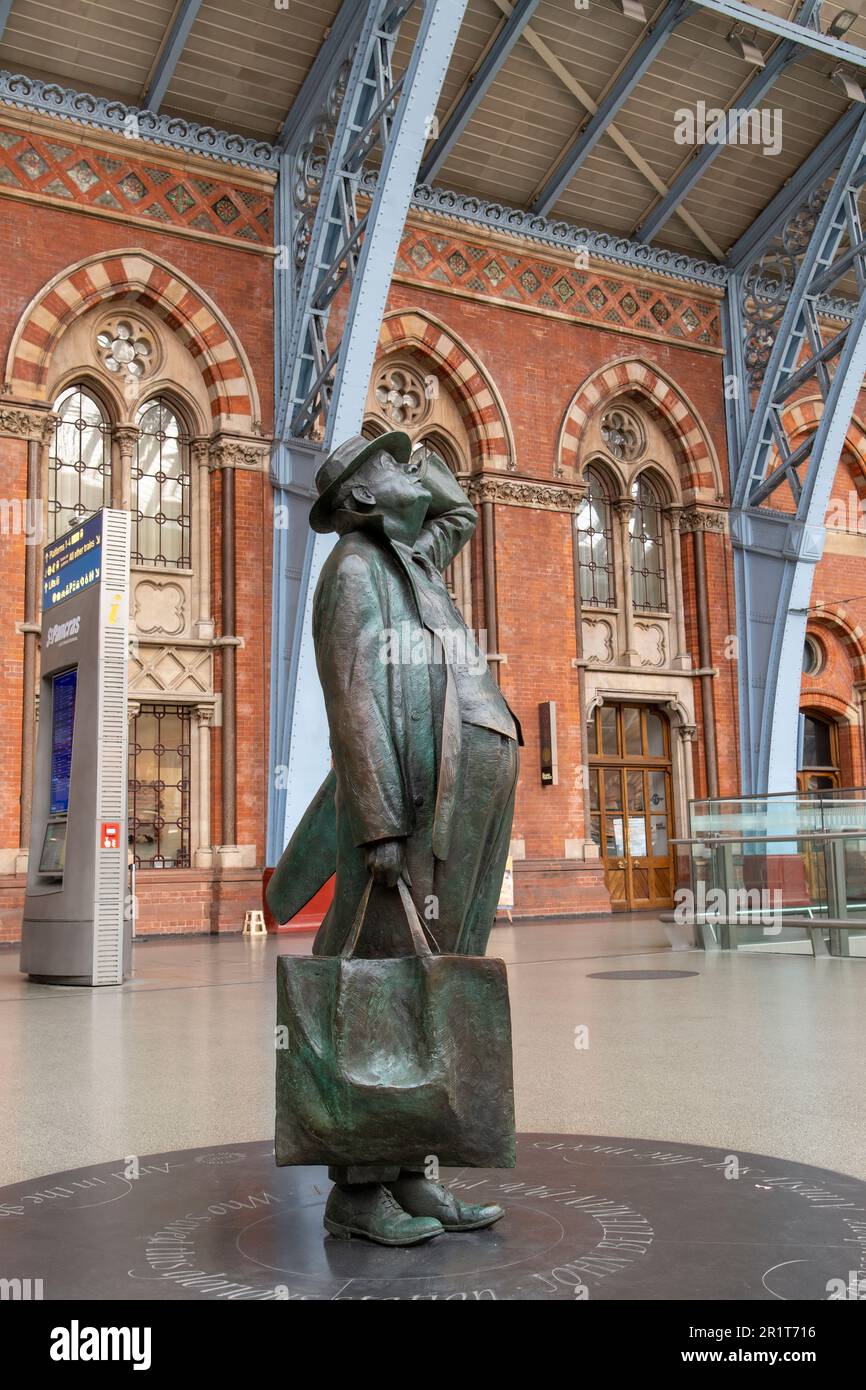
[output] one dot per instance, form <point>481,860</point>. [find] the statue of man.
<point>425,764</point>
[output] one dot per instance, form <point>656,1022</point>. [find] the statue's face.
<point>397,490</point>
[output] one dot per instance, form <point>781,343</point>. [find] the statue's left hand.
<point>386,861</point>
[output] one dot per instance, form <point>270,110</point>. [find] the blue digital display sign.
<point>73,562</point>
<point>62,722</point>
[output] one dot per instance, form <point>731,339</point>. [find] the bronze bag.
<point>392,1061</point>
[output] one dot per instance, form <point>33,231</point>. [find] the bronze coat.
<point>394,726</point>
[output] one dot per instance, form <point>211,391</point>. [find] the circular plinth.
<point>585,1218</point>
<point>643,974</point>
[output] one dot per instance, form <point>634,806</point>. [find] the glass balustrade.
<point>778,873</point>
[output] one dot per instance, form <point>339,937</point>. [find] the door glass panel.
<point>607,723</point>
<point>593,791</point>
<point>614,840</point>
<point>655,735</point>
<point>817,750</point>
<point>635,791</point>
<point>631,731</point>
<point>591,737</point>
<point>612,791</point>
<point>658,791</point>
<point>595,829</point>
<point>659,834</point>
<point>637,838</point>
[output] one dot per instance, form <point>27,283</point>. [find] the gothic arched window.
<point>79,462</point>
<point>160,488</point>
<point>595,543</point>
<point>646,532</point>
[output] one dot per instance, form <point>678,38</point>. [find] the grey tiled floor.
<point>757,1052</point>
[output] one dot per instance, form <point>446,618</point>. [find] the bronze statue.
<point>416,818</point>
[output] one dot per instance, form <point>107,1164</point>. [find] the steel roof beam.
<point>622,143</point>
<point>798,31</point>
<point>704,155</point>
<point>654,38</point>
<point>477,87</point>
<point>169,55</point>
<point>810,173</point>
<point>331,53</point>
<point>785,53</point>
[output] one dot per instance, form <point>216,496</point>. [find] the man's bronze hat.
<point>346,460</point>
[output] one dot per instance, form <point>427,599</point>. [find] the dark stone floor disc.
<point>642,974</point>
<point>586,1218</point>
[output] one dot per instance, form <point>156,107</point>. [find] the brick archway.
<point>836,618</point>
<point>804,417</point>
<point>142,278</point>
<point>696,457</point>
<point>477,398</point>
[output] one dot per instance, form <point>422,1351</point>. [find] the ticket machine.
<point>78,912</point>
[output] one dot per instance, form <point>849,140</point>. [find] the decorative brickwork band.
<point>442,259</point>
<point>130,184</point>
<point>140,276</point>
<point>477,398</point>
<point>699,469</point>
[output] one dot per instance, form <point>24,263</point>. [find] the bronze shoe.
<point>369,1210</point>
<point>422,1197</point>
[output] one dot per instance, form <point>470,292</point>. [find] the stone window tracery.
<point>595,543</point>
<point>403,395</point>
<point>623,434</point>
<point>647,547</point>
<point>125,348</point>
<point>79,461</point>
<point>160,488</point>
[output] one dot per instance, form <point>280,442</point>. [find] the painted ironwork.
<point>476,212</point>
<point>365,116</point>
<point>782,474</point>
<point>133,122</point>
<point>807,35</point>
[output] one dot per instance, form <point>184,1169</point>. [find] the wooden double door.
<point>631,812</point>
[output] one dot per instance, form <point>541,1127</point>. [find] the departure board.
<point>62,720</point>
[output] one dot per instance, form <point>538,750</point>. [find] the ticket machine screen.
<point>54,849</point>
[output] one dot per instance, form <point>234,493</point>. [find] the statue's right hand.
<point>386,861</point>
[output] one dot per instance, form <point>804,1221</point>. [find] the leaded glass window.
<point>79,462</point>
<point>595,543</point>
<point>646,536</point>
<point>159,782</point>
<point>160,489</point>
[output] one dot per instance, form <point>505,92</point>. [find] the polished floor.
<point>754,1051</point>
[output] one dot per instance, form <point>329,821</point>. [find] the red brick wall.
<point>41,241</point>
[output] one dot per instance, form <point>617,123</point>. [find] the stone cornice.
<point>598,245</point>
<point>26,422</point>
<point>534,493</point>
<point>132,122</point>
